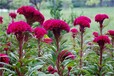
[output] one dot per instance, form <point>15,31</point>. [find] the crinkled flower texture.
<point>95,34</point>
<point>83,21</point>
<point>65,54</point>
<point>31,14</point>
<point>74,32</point>
<point>102,40</point>
<point>56,25</point>
<point>4,58</point>
<point>39,32</point>
<point>101,17</point>
<point>18,27</point>
<point>12,15</point>
<point>1,21</point>
<point>51,69</point>
<point>111,32</point>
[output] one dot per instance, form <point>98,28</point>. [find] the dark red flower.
<point>111,32</point>
<point>102,40</point>
<point>83,21</point>
<point>18,27</point>
<point>31,14</point>
<point>95,34</point>
<point>1,21</point>
<point>51,69</point>
<point>101,17</point>
<point>65,54</point>
<point>4,58</point>
<point>12,15</point>
<point>74,32</point>
<point>39,32</point>
<point>69,68</point>
<point>56,26</point>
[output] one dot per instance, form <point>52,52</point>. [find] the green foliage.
<point>92,2</point>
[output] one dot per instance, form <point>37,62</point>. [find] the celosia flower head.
<point>4,58</point>
<point>95,34</point>
<point>39,32</point>
<point>1,21</point>
<point>18,27</point>
<point>111,33</point>
<point>74,32</point>
<point>31,14</point>
<point>101,17</point>
<point>51,69</point>
<point>83,21</point>
<point>56,26</point>
<point>12,15</point>
<point>65,54</point>
<point>102,40</point>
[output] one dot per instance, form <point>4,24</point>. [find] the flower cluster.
<point>83,21</point>
<point>95,34</point>
<point>31,14</point>
<point>101,17</point>
<point>102,40</point>
<point>51,69</point>
<point>111,32</point>
<point>1,20</point>
<point>65,54</point>
<point>56,25</point>
<point>12,15</point>
<point>74,32</point>
<point>39,32</point>
<point>4,58</point>
<point>18,27</point>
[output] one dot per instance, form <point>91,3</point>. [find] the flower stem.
<point>100,59</point>
<point>81,51</point>
<point>39,48</point>
<point>101,28</point>
<point>1,72</point>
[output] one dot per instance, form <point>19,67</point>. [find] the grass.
<point>90,12</point>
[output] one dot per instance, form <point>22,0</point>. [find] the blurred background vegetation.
<point>14,4</point>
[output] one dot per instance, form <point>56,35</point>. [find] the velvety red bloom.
<point>4,58</point>
<point>31,14</point>
<point>101,17</point>
<point>1,21</point>
<point>18,27</point>
<point>111,32</point>
<point>102,40</point>
<point>74,32</point>
<point>95,34</point>
<point>65,54</point>
<point>51,69</point>
<point>39,32</point>
<point>83,21</point>
<point>56,26</point>
<point>12,15</point>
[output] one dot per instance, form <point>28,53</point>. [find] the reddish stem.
<point>81,51</point>
<point>101,28</point>
<point>1,72</point>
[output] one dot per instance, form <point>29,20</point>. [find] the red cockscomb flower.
<point>95,34</point>
<point>65,54</point>
<point>4,58</point>
<point>102,40</point>
<point>31,14</point>
<point>18,27</point>
<point>101,17</point>
<point>74,32</point>
<point>1,21</point>
<point>12,15</point>
<point>56,26</point>
<point>39,32</point>
<point>83,21</point>
<point>111,32</point>
<point>51,69</point>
